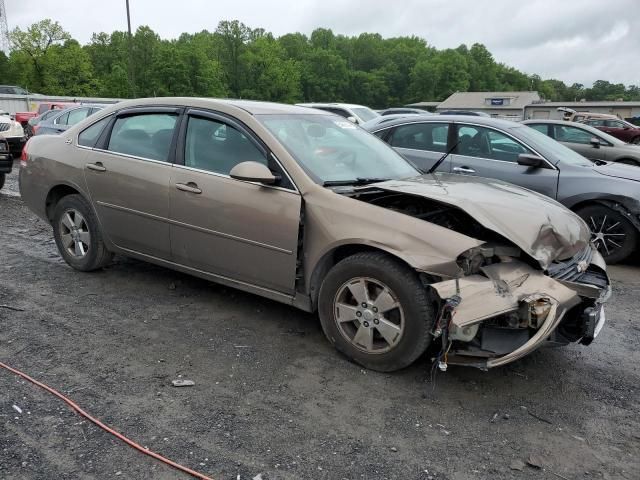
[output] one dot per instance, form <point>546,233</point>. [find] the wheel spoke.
<point>614,234</point>
<point>616,244</point>
<point>78,249</point>
<point>604,244</point>
<point>612,226</point>
<point>603,222</point>
<point>67,221</point>
<point>364,337</point>
<point>78,219</point>
<point>67,240</point>
<point>359,291</point>
<point>593,222</point>
<point>85,237</point>
<point>385,302</point>
<point>345,313</point>
<point>388,330</point>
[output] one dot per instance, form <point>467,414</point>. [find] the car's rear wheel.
<point>614,236</point>
<point>78,236</point>
<point>2,178</point>
<point>376,311</point>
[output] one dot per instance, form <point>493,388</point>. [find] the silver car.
<point>606,195</point>
<point>588,141</point>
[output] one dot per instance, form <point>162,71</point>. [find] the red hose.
<point>106,428</point>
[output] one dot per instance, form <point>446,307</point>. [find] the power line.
<point>4,29</point>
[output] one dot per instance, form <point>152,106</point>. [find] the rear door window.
<point>541,127</point>
<point>145,135</point>
<point>89,136</point>
<point>430,137</point>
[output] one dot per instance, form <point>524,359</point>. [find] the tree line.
<point>241,62</point>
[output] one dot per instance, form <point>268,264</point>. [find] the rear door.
<point>491,153</point>
<point>128,173</point>
<point>423,144</point>
<point>619,130</point>
<point>244,231</point>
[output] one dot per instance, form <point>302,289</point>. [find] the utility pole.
<point>4,29</point>
<point>132,80</point>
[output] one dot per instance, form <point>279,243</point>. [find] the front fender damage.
<point>505,312</point>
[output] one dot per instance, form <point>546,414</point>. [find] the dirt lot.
<point>271,397</point>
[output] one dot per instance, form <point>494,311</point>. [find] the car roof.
<point>485,121</point>
<point>345,105</point>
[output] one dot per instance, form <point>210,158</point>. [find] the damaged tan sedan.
<point>305,208</point>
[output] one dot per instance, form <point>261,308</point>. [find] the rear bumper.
<point>512,309</point>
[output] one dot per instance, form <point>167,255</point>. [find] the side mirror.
<point>352,119</point>
<point>253,172</point>
<point>595,142</point>
<point>530,160</point>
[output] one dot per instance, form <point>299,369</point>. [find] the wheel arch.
<point>55,194</point>
<point>335,255</point>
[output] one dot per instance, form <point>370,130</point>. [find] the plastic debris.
<point>535,461</point>
<point>17,408</point>
<point>182,382</point>
<point>517,465</point>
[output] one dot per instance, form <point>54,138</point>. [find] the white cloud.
<point>571,40</point>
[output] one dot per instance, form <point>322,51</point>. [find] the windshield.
<point>365,113</point>
<point>331,149</point>
<point>547,146</point>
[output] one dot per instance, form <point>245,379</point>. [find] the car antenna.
<point>443,157</point>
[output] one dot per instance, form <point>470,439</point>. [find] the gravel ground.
<point>271,396</point>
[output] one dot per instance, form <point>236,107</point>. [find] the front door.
<point>128,178</point>
<point>490,153</point>
<point>239,230</point>
<point>579,140</point>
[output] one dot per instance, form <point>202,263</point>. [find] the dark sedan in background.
<point>588,141</point>
<point>621,129</point>
<point>606,195</point>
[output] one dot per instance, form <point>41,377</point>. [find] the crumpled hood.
<point>620,170</point>
<point>540,226</point>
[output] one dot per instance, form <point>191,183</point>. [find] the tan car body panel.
<point>233,247</point>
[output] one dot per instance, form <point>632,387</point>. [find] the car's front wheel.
<point>376,311</point>
<point>614,236</point>
<point>2,178</point>
<point>78,236</point>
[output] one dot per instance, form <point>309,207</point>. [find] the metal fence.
<point>29,103</point>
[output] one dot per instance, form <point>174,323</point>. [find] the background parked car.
<point>404,110</point>
<point>355,113</point>
<point>6,161</point>
<point>12,132</point>
<point>588,141</point>
<point>605,195</point>
<point>621,129</point>
<point>25,117</point>
<point>464,112</point>
<point>61,120</point>
<point>385,119</point>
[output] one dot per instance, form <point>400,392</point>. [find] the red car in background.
<point>625,131</point>
<point>30,120</point>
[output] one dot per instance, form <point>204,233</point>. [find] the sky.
<point>576,41</point>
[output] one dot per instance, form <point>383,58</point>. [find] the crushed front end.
<point>503,307</point>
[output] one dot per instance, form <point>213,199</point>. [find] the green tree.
<point>35,43</point>
<point>233,37</point>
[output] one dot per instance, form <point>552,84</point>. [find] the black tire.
<point>617,226</point>
<point>2,179</point>
<point>96,254</point>
<point>410,293</point>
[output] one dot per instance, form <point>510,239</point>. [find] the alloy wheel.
<point>74,233</point>
<point>607,233</point>
<point>369,315</point>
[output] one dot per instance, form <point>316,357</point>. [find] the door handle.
<point>98,167</point>
<point>188,187</point>
<point>464,170</point>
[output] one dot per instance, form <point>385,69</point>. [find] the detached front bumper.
<point>511,309</point>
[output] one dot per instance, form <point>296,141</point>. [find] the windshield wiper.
<point>355,181</point>
<point>442,158</point>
